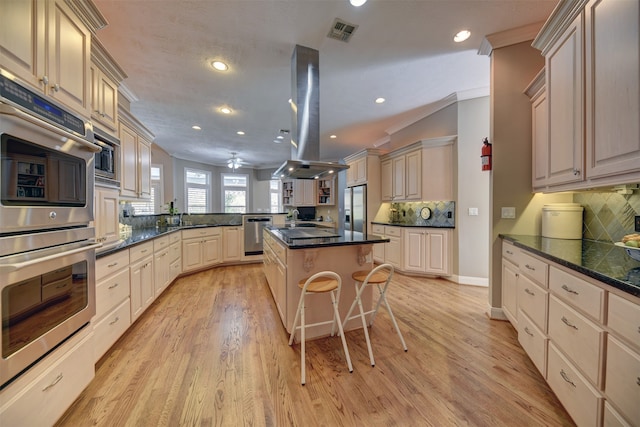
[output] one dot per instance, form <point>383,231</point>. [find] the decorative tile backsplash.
<point>608,215</point>
<point>443,213</point>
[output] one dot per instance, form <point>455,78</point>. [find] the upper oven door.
<point>46,174</point>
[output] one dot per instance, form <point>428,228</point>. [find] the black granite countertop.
<point>602,261</point>
<point>344,239</point>
<point>143,234</point>
<point>401,224</point>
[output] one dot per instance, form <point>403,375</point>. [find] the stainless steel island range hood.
<point>305,132</point>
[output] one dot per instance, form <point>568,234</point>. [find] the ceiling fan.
<point>234,162</point>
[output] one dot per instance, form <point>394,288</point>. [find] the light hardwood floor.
<point>212,351</point>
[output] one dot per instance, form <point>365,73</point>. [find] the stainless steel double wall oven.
<point>47,247</point>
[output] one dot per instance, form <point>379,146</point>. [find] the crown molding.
<point>560,19</point>
<point>509,37</point>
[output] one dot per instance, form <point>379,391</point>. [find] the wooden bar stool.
<point>322,282</point>
<point>380,277</point>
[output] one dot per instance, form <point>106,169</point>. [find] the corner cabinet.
<point>427,250</point>
<point>135,149</point>
<point>420,171</point>
<point>201,248</point>
<point>47,44</point>
<point>592,94</point>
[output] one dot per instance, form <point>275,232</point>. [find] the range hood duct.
<point>305,129</point>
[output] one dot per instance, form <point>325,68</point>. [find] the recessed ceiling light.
<point>333,137</point>
<point>462,36</point>
<point>277,141</point>
<point>240,132</point>
<point>225,110</point>
<point>219,65</point>
<point>196,127</point>
<point>280,137</point>
<point>357,3</point>
<point>380,100</point>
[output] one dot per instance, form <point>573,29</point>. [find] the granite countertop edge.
<point>530,243</point>
<point>348,239</point>
<point>398,224</point>
<point>141,235</point>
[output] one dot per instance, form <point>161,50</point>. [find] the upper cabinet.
<point>592,95</point>
<point>48,45</point>
<point>326,191</point>
<point>106,76</point>
<point>540,131</point>
<point>135,150</point>
<point>364,168</point>
<point>299,192</point>
<point>420,171</point>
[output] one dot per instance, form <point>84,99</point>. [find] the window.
<point>234,192</point>
<point>274,195</point>
<point>197,190</point>
<point>154,204</point>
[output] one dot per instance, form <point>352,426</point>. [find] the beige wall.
<point>441,123</point>
<point>161,157</point>
<point>512,69</point>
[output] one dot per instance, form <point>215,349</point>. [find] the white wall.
<point>473,192</point>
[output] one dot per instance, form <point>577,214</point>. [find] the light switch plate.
<point>473,211</point>
<point>508,212</point>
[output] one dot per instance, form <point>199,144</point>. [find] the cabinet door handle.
<point>114,321</point>
<point>526,329</point>
<point>115,285</point>
<point>143,251</point>
<point>576,172</point>
<point>529,267</point>
<point>566,377</point>
<point>112,264</point>
<point>509,252</point>
<point>571,291</point>
<point>529,292</point>
<point>638,380</point>
<point>569,324</point>
<point>56,381</point>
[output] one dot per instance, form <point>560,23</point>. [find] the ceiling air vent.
<point>341,30</point>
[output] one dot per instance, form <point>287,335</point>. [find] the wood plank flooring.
<point>212,351</point>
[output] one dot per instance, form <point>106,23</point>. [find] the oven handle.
<point>7,109</point>
<point>7,268</point>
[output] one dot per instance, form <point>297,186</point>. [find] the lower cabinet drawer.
<point>108,330</point>
<point>578,337</point>
<point>534,342</point>
<point>532,299</point>
<point>49,395</point>
<point>175,251</point>
<point>581,400</point>
<point>622,386</point>
<point>111,291</point>
<point>612,418</point>
<point>109,264</point>
<point>175,268</point>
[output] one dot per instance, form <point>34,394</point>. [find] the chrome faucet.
<point>295,214</point>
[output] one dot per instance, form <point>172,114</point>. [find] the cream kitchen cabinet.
<point>540,131</point>
<point>162,264</point>
<point>364,168</point>
<point>135,149</point>
<point>510,274</point>
<point>175,255</point>
<point>232,242</point>
<point>113,306</point>
<point>106,211</point>
<point>201,247</point>
<point>142,278</point>
<point>421,171</point>
<point>390,252</point>
<point>379,249</point>
<point>357,172</point>
<point>275,270</point>
<point>592,93</point>
<point>47,44</point>
<point>427,250</point>
<point>326,192</point>
<point>299,192</point>
<point>105,77</point>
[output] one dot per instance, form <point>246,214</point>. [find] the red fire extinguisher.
<point>486,155</point>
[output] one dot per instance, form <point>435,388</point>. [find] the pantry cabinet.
<point>135,146</point>
<point>47,44</point>
<point>106,211</point>
<point>592,94</point>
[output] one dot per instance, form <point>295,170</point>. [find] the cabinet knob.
<point>56,87</point>
<point>45,80</point>
<point>576,172</point>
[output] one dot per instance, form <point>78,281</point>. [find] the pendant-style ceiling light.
<point>234,162</point>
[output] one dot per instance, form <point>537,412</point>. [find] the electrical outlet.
<point>508,213</point>
<point>637,223</point>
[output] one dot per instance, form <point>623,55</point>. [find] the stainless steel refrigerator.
<point>355,209</point>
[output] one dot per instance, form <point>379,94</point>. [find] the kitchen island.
<point>294,253</point>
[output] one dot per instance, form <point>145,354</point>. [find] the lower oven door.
<point>45,297</point>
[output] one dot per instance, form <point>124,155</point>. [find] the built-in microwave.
<point>107,161</point>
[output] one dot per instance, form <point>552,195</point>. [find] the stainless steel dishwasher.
<point>253,226</point>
